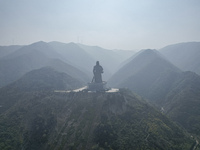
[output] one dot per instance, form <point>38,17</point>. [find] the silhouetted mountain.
<point>46,79</point>
<point>144,72</point>
<point>43,79</point>
<point>15,61</point>
<point>131,58</point>
<point>184,55</point>
<point>164,85</point>
<point>75,55</point>
<point>6,50</point>
<point>84,57</point>
<point>49,120</point>
<point>41,47</point>
<point>111,59</point>
<point>13,68</point>
<point>18,63</point>
<point>61,66</point>
<point>23,60</point>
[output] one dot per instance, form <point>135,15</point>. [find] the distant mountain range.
<point>184,55</point>
<point>152,76</point>
<point>6,50</point>
<point>46,79</point>
<point>33,116</point>
<point>70,58</point>
<point>143,71</point>
<point>111,59</point>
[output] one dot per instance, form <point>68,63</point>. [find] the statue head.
<point>97,63</point>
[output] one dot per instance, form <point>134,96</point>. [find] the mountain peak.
<point>184,55</point>
<point>149,50</point>
<point>38,44</point>
<point>143,71</point>
<point>72,44</point>
<point>147,54</point>
<point>44,79</point>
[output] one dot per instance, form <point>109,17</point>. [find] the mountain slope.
<point>12,69</point>
<point>74,54</point>
<point>45,79</point>
<point>183,101</point>
<point>84,57</point>
<point>111,59</point>
<point>148,69</point>
<point>31,57</point>
<point>6,50</point>
<point>61,66</point>
<point>184,55</point>
<point>14,59</point>
<point>47,120</point>
<point>40,46</point>
<point>165,86</point>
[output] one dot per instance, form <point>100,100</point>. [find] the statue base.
<point>92,86</point>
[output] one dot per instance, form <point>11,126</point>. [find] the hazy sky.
<point>112,24</point>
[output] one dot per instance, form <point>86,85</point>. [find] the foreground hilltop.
<point>122,120</point>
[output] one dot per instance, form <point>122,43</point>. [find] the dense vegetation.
<point>49,120</point>
<point>183,101</point>
<point>33,116</point>
<point>176,92</point>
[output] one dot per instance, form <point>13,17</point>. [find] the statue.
<point>97,85</point>
<point>97,71</point>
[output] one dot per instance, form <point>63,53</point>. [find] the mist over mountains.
<point>159,81</point>
<point>184,55</point>
<point>70,58</point>
<point>157,106</point>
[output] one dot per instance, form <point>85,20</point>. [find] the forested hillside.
<point>34,116</point>
<point>49,120</point>
<point>175,92</point>
<point>99,75</point>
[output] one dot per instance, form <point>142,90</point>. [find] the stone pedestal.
<point>92,86</point>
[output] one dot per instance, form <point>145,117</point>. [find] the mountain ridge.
<point>165,86</point>
<point>33,116</point>
<point>141,62</point>
<point>28,58</point>
<point>45,79</point>
<point>6,50</point>
<point>184,55</point>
